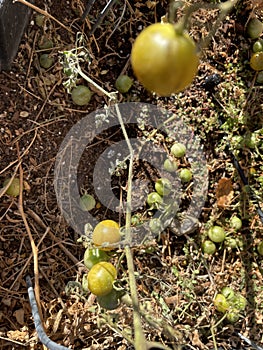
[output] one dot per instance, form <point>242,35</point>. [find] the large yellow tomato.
<point>163,60</point>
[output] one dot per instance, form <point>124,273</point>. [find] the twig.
<point>43,12</point>
<point>33,246</point>
<point>58,241</point>
<point>37,320</point>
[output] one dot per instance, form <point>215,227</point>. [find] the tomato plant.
<point>178,150</point>
<point>101,277</point>
<point>208,247</point>
<point>164,60</point>
<point>106,232</point>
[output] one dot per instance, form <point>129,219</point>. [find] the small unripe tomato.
<point>46,61</point>
<point>93,256</point>
<point>105,233</point>
<point>235,223</point>
<point>239,302</point>
<point>220,303</point>
<point>260,248</point>
<point>14,187</point>
<point>123,83</point>
<point>163,186</point>
<point>258,46</point>
<point>208,247</point>
<point>185,175</point>
<point>101,277</point>
<point>81,95</point>
<point>254,28</point>
<point>259,78</point>
<point>217,234</point>
<point>154,199</point>
<point>109,301</point>
<point>155,225</point>
<point>170,165</point>
<point>178,150</point>
<point>228,293</point>
<point>45,43</point>
<point>256,61</point>
<point>233,315</point>
<point>87,202</point>
<point>164,60</point>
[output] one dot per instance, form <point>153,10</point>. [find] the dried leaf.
<point>224,192</point>
<point>196,340</point>
<point>19,315</point>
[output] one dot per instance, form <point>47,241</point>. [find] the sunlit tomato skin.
<point>94,256</point>
<point>256,61</point>
<point>101,277</point>
<point>107,232</point>
<point>163,60</point>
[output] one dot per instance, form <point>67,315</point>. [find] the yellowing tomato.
<point>101,277</point>
<point>163,60</point>
<point>107,232</point>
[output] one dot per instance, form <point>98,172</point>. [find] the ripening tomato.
<point>101,277</point>
<point>106,232</point>
<point>164,60</point>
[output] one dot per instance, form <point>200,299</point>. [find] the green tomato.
<point>220,303</point>
<point>87,202</point>
<point>109,301</point>
<point>235,223</point>
<point>254,28</point>
<point>101,277</point>
<point>260,248</point>
<point>46,61</point>
<point>45,43</point>
<point>93,256</point>
<point>228,293</point>
<point>170,165</point>
<point>231,242</point>
<point>208,247</point>
<point>123,83</point>
<point>233,315</point>
<point>14,188</point>
<point>256,61</point>
<point>105,233</point>
<point>185,175</point>
<point>239,302</point>
<point>178,150</point>
<point>154,199</point>
<point>259,78</point>
<point>217,234</point>
<point>163,186</point>
<point>81,95</point>
<point>164,60</point>
<point>258,46</point>
<point>155,225</point>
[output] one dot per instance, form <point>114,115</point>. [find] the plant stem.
<point>139,338</point>
<point>110,95</point>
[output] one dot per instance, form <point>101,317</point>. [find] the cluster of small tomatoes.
<point>230,303</point>
<point>102,274</point>
<point>255,30</point>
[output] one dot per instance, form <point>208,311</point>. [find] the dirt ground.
<point>176,281</point>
